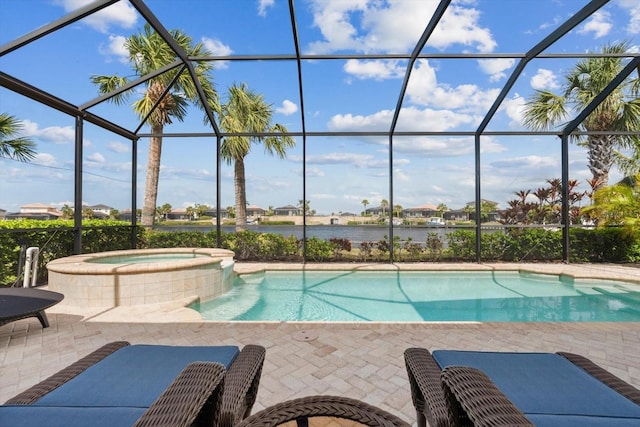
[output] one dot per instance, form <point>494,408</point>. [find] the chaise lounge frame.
<point>240,385</point>
<point>301,409</point>
<point>432,404</point>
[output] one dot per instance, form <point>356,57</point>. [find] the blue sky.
<point>339,96</point>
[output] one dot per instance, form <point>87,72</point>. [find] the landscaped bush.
<point>341,246</point>
<point>276,247</point>
<point>412,250</point>
<point>319,250</point>
<point>533,244</point>
<point>179,239</point>
<point>55,239</point>
<point>384,246</point>
<point>609,244</point>
<point>434,246</point>
<point>245,244</point>
<point>366,250</point>
<point>461,245</point>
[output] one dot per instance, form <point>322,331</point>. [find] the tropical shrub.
<point>319,250</point>
<point>245,244</point>
<point>434,245</point>
<point>55,239</point>
<point>366,250</point>
<point>277,247</point>
<point>412,249</point>
<point>342,245</point>
<point>611,244</point>
<point>461,245</point>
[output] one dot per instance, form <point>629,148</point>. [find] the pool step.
<point>627,297</point>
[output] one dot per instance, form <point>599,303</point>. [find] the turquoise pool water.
<point>410,296</point>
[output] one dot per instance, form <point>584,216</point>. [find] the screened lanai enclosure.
<point>417,119</point>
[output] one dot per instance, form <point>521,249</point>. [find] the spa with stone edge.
<point>142,276</point>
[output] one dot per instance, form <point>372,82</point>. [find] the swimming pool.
<point>412,296</point>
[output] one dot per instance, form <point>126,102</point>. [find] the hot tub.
<point>142,276</point>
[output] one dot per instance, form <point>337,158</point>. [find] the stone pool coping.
<point>628,273</point>
<point>82,264</point>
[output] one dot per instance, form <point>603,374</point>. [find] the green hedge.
<point>55,240</point>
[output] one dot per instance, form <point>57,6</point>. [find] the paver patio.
<point>358,360</point>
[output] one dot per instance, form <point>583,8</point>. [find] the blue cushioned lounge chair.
<point>451,388</point>
<point>122,384</point>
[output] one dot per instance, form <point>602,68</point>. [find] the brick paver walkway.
<point>358,360</point>
<point>362,361</point>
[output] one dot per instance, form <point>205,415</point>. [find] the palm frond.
<point>544,110</point>
<point>18,148</point>
<point>108,84</point>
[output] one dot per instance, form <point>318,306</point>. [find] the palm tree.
<point>163,211</point>
<point>148,52</point>
<point>304,205</point>
<point>364,202</point>
<point>21,149</point>
<point>67,212</point>
<point>384,204</point>
<point>247,112</point>
<point>619,112</point>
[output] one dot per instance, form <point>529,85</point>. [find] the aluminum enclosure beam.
<point>61,105</point>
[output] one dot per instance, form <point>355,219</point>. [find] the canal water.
<point>355,233</point>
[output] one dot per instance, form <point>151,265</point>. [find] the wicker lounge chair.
<point>302,409</point>
<point>241,380</point>
<point>455,388</point>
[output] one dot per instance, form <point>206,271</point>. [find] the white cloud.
<point>314,172</point>
<point>119,147</point>
<point>45,159</point>
<point>96,157</point>
<point>460,25</point>
<point>394,26</point>
<point>342,158</point>
<point>599,24</point>
<point>544,79</point>
<point>415,119</point>
<point>534,163</point>
<point>380,121</point>
<point>116,47</point>
<point>217,48</point>
<point>120,14</point>
<point>55,134</point>
<point>263,5</point>
<point>288,108</point>
<point>410,119</point>
<point>444,146</point>
<point>496,67</point>
<point>514,107</point>
<point>424,89</point>
<point>377,70</point>
<point>633,6</point>
<point>172,172</point>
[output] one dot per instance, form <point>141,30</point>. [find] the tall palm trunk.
<point>153,175</point>
<point>241,196</point>
<point>600,155</point>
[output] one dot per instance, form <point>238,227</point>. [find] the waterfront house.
<point>424,211</point>
<point>288,210</point>
<point>35,211</point>
<point>101,211</point>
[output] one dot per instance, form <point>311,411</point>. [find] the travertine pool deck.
<point>359,360</point>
